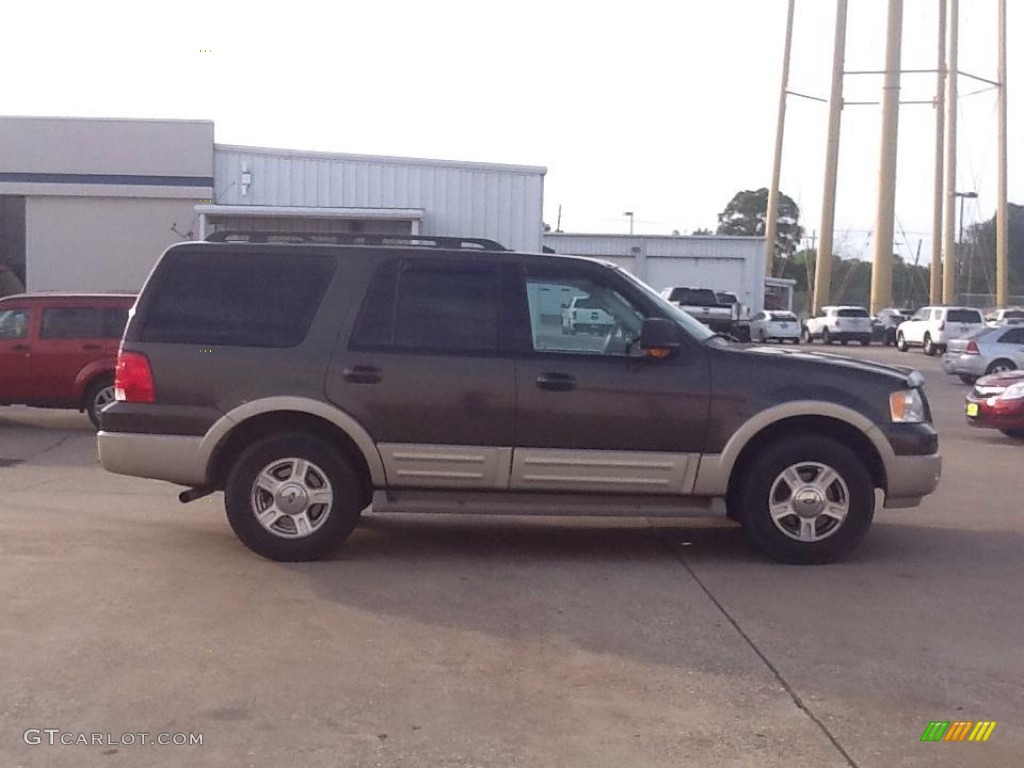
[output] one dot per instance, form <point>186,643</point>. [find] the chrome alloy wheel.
<point>809,501</point>
<point>292,498</point>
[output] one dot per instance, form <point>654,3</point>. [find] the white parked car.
<point>933,327</point>
<point>839,323</point>
<point>1008,316</point>
<point>775,324</point>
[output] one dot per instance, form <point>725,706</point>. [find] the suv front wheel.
<point>806,500</point>
<point>292,498</point>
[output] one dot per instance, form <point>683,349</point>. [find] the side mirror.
<point>659,337</point>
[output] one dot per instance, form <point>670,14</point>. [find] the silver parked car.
<point>989,350</point>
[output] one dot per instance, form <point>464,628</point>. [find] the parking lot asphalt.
<point>453,641</point>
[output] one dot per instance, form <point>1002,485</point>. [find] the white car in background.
<point>775,324</point>
<point>933,327</point>
<point>1008,316</point>
<point>839,323</point>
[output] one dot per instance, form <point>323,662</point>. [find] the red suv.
<point>58,350</point>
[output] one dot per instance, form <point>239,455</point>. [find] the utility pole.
<point>949,216</point>
<point>935,287</point>
<point>823,262</point>
<point>629,215</point>
<point>881,272</point>
<point>1002,233</point>
<point>822,267</point>
<point>772,216</point>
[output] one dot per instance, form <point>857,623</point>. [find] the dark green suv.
<point>312,377</point>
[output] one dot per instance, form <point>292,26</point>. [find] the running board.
<point>552,504</point>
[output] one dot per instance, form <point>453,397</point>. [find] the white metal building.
<point>315,191</point>
<point>90,204</point>
<point>722,263</point>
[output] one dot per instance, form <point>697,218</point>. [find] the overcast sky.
<point>664,108</point>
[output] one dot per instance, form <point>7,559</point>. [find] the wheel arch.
<point>718,475</point>
<point>242,426</point>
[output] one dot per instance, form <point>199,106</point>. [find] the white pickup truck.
<point>703,304</point>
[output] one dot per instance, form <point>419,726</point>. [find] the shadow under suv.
<point>312,377</point>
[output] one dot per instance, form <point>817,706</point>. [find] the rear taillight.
<point>972,348</point>
<point>942,325</point>
<point>133,380</point>
<point>839,321</point>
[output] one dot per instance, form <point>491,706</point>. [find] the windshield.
<point>694,327</point>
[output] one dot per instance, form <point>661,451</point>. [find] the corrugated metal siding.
<point>501,203</point>
<point>721,263</point>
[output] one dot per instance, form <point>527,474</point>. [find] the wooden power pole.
<point>881,272</point>
<point>823,262</point>
<point>772,215</point>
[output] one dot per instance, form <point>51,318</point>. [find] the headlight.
<point>907,406</point>
<point>1013,392</point>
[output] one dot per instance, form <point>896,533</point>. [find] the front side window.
<point>439,307</point>
<point>13,324</point>
<point>579,315</point>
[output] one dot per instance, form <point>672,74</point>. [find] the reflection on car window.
<point>14,324</point>
<point>580,315</point>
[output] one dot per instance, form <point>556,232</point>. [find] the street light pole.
<point>960,237</point>
<point>630,215</point>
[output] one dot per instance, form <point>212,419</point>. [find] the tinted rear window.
<point>784,317</point>
<point>236,299</point>
<point>853,313</point>
<point>83,322</point>
<point>694,297</point>
<point>430,307</point>
<point>964,316</point>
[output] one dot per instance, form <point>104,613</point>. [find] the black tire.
<point>1000,365</point>
<point>1016,434</point>
<point>761,336</point>
<point>99,395</point>
<point>766,470</point>
<point>865,342</point>
<point>901,343</point>
<point>796,341</point>
<point>825,337</point>
<point>966,378</point>
<point>806,335</point>
<point>843,341</point>
<point>929,347</point>
<point>333,522</point>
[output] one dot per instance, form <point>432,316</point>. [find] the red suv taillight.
<point>133,380</point>
<point>942,325</point>
<point>972,348</point>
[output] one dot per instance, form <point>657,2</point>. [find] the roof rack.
<point>355,238</point>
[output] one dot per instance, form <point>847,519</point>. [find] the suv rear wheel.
<point>929,346</point>
<point>292,497</point>
<point>97,397</point>
<point>901,343</point>
<point>806,500</point>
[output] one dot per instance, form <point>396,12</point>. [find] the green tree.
<point>747,212</point>
<point>977,269</point>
